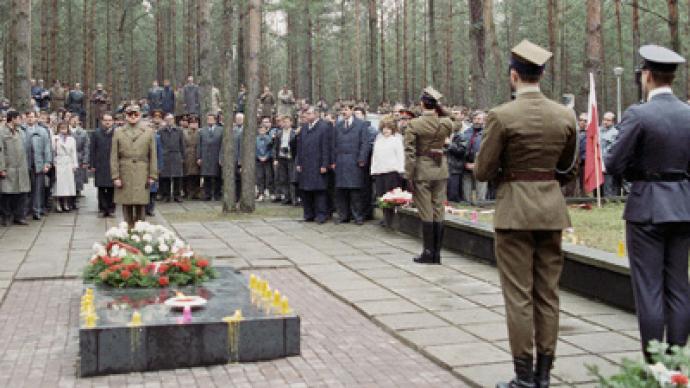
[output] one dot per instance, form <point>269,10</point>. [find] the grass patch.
<point>263,210</point>
<point>600,228</point>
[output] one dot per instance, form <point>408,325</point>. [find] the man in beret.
<point>653,152</point>
<point>530,211</point>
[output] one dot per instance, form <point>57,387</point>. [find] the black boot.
<point>524,374</point>
<point>427,256</point>
<point>438,241</point>
<point>542,374</point>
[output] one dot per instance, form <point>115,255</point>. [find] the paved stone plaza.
<point>370,317</point>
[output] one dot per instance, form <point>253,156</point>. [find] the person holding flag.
<point>530,145</point>
<point>593,174</point>
<point>653,152</point>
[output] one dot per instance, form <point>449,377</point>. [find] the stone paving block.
<point>367,264</point>
<point>270,263</point>
<point>487,375</point>
<point>410,321</point>
<point>606,342</point>
<point>618,357</point>
<point>474,288</point>
<point>632,333</point>
<point>436,336</point>
<point>41,270</point>
<point>443,303</point>
<point>487,300</point>
<point>383,273</point>
<point>231,262</point>
<point>573,325</point>
<point>578,305</point>
<point>620,321</point>
<point>377,293</point>
<point>471,353</point>
<point>488,331</point>
<point>572,370</point>
<point>562,348</point>
<point>472,315</point>
<point>383,307</point>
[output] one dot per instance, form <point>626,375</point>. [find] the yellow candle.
<point>276,298</point>
<point>252,282</point>
<point>621,249</point>
<point>136,319</point>
<point>285,306</point>
<point>91,321</point>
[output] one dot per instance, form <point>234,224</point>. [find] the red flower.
<point>679,379</point>
<point>125,274</point>
<point>145,271</point>
<point>185,267</point>
<point>107,260</point>
<point>202,263</point>
<point>163,281</point>
<point>132,266</point>
<point>163,268</point>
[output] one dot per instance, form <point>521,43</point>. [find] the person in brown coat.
<point>530,147</point>
<point>133,165</point>
<point>192,179</point>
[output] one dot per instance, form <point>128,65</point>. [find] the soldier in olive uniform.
<point>653,152</point>
<point>133,165</point>
<point>529,146</point>
<point>427,170</point>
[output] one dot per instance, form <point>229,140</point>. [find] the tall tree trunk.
<point>413,80</point>
<point>564,85</point>
<point>204,31</point>
<point>373,89</point>
<point>21,11</point>
<point>53,49</point>
<point>552,9</point>
<point>593,48</point>
<point>172,43</point>
<point>109,53</point>
<point>405,53</point>
<point>307,79</point>
<point>340,73</point>
<point>120,89</point>
<point>319,58</point>
<point>636,30</point>
<point>160,42</point>
<point>358,51</point>
<point>382,46</point>
<point>249,136</point>
<point>687,63</point>
<point>88,73</point>
<point>241,46</point>
<point>433,43</point>
<point>229,157</point>
<point>673,24</point>
<point>619,32</point>
<point>449,55</point>
<point>425,71</point>
<point>490,28</point>
<point>70,36</point>
<point>292,49</point>
<point>189,39</point>
<point>398,51</point>
<point>44,28</point>
<point>477,40</point>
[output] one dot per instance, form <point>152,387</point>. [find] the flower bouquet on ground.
<point>145,256</point>
<point>670,369</point>
<point>394,198</point>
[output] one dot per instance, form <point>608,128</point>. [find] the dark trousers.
<point>386,182</point>
<point>12,206</point>
<point>264,176</point>
<point>192,186</point>
<point>315,205</point>
<point>133,213</point>
<point>455,187</point>
<point>168,183</point>
<point>213,187</point>
<point>612,185</point>
<point>35,201</point>
<point>367,193</point>
<point>659,272</point>
<point>349,204</point>
<point>282,179</point>
<point>330,192</point>
<point>152,203</point>
<point>105,200</point>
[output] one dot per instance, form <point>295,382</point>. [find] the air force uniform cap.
<point>658,58</point>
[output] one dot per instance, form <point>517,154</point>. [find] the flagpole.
<point>597,158</point>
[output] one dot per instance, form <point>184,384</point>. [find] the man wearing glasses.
<point>133,164</point>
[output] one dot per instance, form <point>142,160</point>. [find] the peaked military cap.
<point>529,58</point>
<point>658,58</point>
<point>432,93</point>
<point>132,108</point>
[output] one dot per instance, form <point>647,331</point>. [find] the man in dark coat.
<point>368,195</point>
<point>313,158</point>
<point>173,150</point>
<point>653,152</point>
<point>75,102</point>
<point>168,97</point>
<point>101,144</point>
<point>456,163</point>
<point>208,152</point>
<point>191,97</point>
<point>100,104</point>
<point>350,150</point>
<point>155,96</point>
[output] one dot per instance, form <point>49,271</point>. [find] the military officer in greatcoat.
<point>653,152</point>
<point>133,165</point>
<point>530,209</point>
<point>427,170</point>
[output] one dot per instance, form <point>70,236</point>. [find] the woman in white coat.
<point>65,151</point>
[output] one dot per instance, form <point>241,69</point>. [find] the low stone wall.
<point>589,272</point>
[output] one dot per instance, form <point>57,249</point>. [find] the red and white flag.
<point>594,175</point>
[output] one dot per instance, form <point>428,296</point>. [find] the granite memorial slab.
<point>160,338</point>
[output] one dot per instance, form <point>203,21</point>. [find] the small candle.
<point>91,321</point>
<point>276,298</point>
<point>136,319</point>
<point>621,249</point>
<point>285,306</point>
<point>252,281</point>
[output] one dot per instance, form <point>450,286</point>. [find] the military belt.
<point>528,176</point>
<point>431,154</point>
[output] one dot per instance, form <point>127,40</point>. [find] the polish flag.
<point>594,175</point>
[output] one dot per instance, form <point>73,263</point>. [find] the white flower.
<point>148,249</point>
<point>140,226</point>
<point>163,247</point>
<point>147,237</point>
<point>97,247</point>
<point>174,249</point>
<point>136,238</point>
<point>123,225</point>
<point>121,253</point>
<point>188,254</point>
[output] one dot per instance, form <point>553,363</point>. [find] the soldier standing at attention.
<point>530,146</point>
<point>427,170</point>
<point>133,165</point>
<point>653,152</point>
